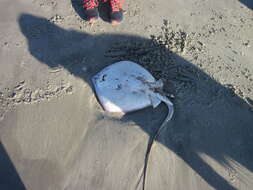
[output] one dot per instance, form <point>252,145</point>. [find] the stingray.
<point>124,87</point>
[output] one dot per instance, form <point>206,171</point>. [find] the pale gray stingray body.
<point>125,87</point>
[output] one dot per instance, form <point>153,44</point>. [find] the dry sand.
<point>54,134</point>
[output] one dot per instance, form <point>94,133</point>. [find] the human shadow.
<point>103,9</point>
<point>209,118</point>
<point>248,3</point>
<point>9,178</point>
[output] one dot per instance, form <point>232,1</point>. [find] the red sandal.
<point>91,10</point>
<point>117,11</point>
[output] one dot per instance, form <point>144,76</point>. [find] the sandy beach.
<point>54,133</point>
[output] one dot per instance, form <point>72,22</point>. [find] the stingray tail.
<point>169,115</point>
<point>152,139</point>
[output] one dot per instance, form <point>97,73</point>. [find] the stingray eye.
<point>103,78</point>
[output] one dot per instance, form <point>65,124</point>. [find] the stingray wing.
<point>119,90</point>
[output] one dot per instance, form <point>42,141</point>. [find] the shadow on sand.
<point>208,119</point>
<point>9,178</point>
<point>248,3</point>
